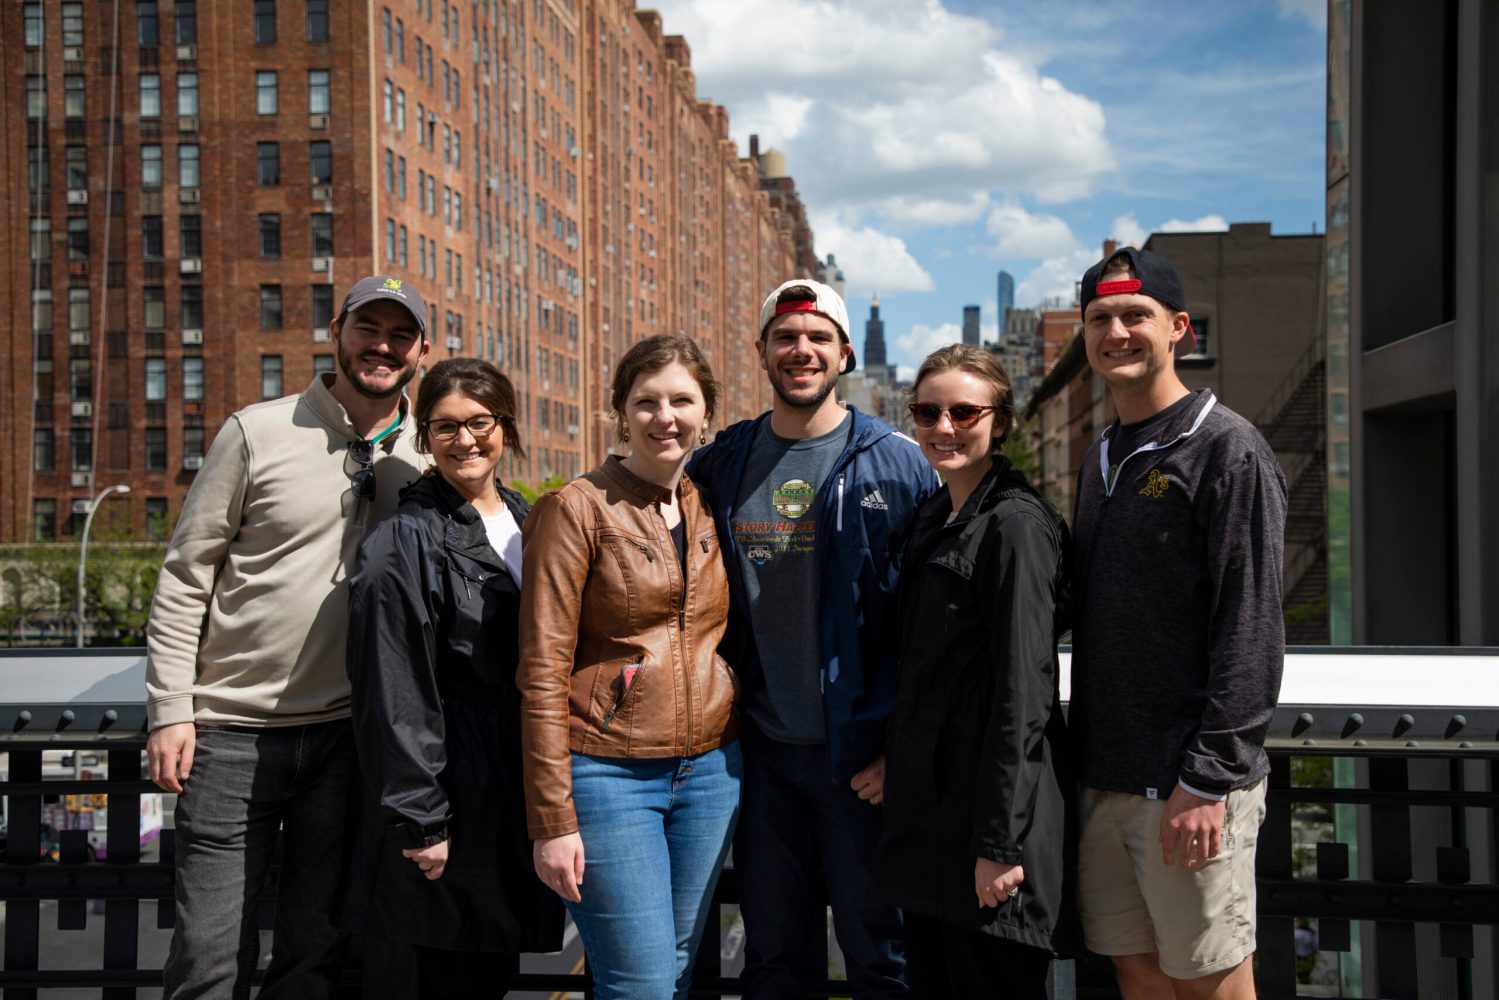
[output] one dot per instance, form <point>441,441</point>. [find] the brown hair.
<point>478,380</point>
<point>1118,264</point>
<point>653,354</point>
<point>976,361</point>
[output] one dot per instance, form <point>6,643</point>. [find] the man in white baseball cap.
<point>812,498</point>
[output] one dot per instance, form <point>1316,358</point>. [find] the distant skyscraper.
<point>971,324</point>
<point>874,339</point>
<point>1005,298</point>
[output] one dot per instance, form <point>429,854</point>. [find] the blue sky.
<point>936,142</point>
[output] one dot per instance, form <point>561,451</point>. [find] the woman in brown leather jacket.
<point>628,721</point>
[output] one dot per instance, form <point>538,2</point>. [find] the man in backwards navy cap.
<point>1177,650</point>
<point>248,699</point>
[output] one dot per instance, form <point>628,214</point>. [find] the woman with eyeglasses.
<point>442,860</point>
<point>632,767</point>
<point>978,839</point>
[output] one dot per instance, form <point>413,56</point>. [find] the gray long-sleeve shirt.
<point>1178,640</point>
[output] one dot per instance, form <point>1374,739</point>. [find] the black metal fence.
<point>1376,864</point>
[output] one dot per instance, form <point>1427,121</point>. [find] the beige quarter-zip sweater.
<point>249,619</point>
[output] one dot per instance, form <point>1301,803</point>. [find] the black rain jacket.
<point>976,761</point>
<point>432,651</point>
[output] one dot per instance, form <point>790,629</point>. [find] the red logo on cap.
<point>1118,287</point>
<point>796,305</point>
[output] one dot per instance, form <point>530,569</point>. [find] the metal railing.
<point>1378,840</point>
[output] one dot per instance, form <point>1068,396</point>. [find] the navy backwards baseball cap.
<point>1154,276</point>
<point>380,286</point>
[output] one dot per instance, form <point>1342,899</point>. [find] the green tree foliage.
<point>531,493</point>
<point>40,605</point>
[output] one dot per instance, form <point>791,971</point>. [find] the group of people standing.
<point>461,715</point>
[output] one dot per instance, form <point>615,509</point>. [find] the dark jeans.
<point>946,960</point>
<point>790,812</point>
<point>249,786</point>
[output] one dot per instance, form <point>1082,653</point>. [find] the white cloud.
<point>1027,235</point>
<point>778,119</point>
<point>1313,12</point>
<point>912,347</point>
<point>1206,224</point>
<point>916,113</point>
<point>918,211</point>
<point>1126,229</point>
<point>872,261</point>
<point>1055,277</point>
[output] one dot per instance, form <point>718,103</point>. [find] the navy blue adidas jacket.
<point>868,503</point>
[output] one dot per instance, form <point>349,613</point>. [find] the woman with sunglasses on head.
<point>977,847</point>
<point>442,859</point>
<point>632,769</point>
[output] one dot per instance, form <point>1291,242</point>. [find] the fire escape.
<point>1293,421</point>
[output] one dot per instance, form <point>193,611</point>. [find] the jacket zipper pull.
<point>466,591</point>
<point>704,543</point>
<point>649,556</point>
<point>840,501</point>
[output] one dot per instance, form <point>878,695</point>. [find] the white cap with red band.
<point>826,302</point>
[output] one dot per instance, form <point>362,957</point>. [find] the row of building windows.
<point>267,92</point>
<point>190,314</point>
<point>44,518</point>
<point>268,162</point>
<point>184,23</point>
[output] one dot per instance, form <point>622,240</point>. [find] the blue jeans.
<point>248,787</point>
<point>655,834</point>
<point>792,813</point>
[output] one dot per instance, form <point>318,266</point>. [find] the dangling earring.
<point>702,435</point>
<point>624,435</point>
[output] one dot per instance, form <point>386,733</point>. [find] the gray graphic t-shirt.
<point>775,528</point>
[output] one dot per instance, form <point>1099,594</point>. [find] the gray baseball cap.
<point>380,286</point>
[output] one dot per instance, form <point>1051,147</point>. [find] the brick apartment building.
<point>202,181</point>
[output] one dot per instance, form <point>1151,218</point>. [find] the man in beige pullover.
<point>248,699</point>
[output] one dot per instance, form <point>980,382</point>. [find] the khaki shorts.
<point>1198,920</point>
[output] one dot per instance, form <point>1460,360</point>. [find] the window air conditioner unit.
<point>78,338</point>
<point>322,263</point>
<point>187,196</point>
<point>77,197</point>
<point>80,479</point>
<point>73,53</point>
<point>192,265</point>
<point>320,335</point>
<point>322,192</point>
<point>187,123</point>
<point>83,408</point>
<point>192,463</point>
<point>187,52</point>
<point>192,337</point>
<point>317,121</point>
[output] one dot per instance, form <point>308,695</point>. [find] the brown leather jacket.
<point>603,601</point>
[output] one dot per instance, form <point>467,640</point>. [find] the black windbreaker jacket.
<point>976,751</point>
<point>432,651</point>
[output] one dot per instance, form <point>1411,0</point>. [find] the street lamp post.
<point>88,522</point>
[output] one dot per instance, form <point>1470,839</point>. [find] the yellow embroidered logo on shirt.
<point>1155,485</point>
